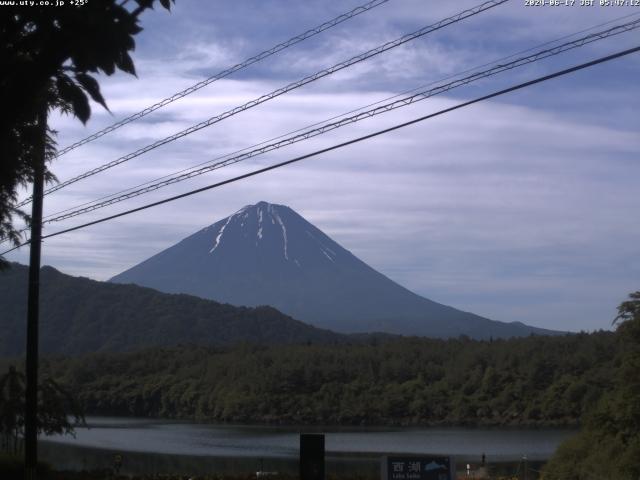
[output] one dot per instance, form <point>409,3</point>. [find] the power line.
<point>403,102</point>
<point>280,91</point>
<point>240,156</point>
<point>344,144</point>
<point>225,73</point>
<point>379,102</point>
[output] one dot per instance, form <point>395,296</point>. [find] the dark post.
<point>31,413</point>
<point>311,456</point>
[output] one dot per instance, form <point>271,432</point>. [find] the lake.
<point>157,446</point>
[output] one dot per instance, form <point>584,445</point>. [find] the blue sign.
<point>414,467</point>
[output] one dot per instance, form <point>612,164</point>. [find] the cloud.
<point>517,209</point>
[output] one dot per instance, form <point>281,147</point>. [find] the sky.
<point>521,208</point>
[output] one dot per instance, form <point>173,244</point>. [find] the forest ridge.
<point>410,381</point>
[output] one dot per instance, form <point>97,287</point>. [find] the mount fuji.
<point>267,254</point>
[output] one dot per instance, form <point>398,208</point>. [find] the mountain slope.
<point>267,254</point>
<point>79,315</point>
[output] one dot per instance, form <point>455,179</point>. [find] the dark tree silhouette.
<point>11,409</point>
<point>58,409</point>
<point>629,311</point>
<point>608,446</point>
<point>48,59</point>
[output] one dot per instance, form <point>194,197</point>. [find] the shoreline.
<point>267,423</point>
<point>156,465</point>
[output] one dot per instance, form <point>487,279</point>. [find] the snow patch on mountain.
<point>296,268</point>
<point>219,236</point>
<point>275,215</point>
<point>330,254</point>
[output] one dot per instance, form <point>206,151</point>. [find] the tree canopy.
<point>50,58</point>
<point>58,410</point>
<point>608,447</point>
<point>523,381</point>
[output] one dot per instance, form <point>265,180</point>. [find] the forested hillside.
<point>532,381</point>
<point>79,315</point>
<point>608,446</point>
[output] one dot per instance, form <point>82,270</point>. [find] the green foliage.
<point>11,409</point>
<point>526,381</point>
<point>56,408</point>
<point>608,447</point>
<point>49,57</point>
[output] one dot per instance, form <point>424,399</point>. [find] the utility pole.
<point>31,401</point>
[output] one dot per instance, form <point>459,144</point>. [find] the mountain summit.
<point>267,254</point>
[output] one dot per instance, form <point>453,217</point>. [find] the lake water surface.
<point>155,446</point>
